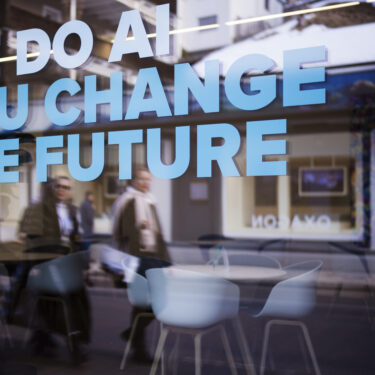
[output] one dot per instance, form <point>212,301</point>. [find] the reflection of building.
<point>103,20</point>
<point>319,137</point>
<point>196,13</point>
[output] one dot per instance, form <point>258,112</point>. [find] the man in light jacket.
<point>137,231</point>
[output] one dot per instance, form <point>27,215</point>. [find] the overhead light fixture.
<point>292,13</point>
<point>196,28</point>
<point>14,58</point>
<point>181,31</point>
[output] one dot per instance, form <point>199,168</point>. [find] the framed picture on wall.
<point>322,181</point>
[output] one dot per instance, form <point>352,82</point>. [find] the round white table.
<point>235,273</point>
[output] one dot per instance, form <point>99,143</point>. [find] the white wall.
<point>189,12</point>
<point>334,144</point>
<point>241,9</point>
<point>162,190</point>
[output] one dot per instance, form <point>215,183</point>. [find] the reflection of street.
<point>320,208</point>
<point>107,347</point>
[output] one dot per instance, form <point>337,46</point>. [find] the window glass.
<point>209,20</point>
<point>206,167</point>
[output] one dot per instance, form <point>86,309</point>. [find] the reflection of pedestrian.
<point>53,220</point>
<point>33,230</point>
<point>136,226</point>
<point>51,225</point>
<point>137,230</point>
<point>87,212</point>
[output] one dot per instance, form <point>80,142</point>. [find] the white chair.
<point>52,281</point>
<point>290,300</point>
<point>188,302</point>
<point>139,297</point>
<point>4,286</point>
<point>245,258</point>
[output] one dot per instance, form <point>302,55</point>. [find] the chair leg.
<point>132,333</point>
<point>246,356</point>
<point>175,362</point>
<point>305,334</point>
<point>162,363</point>
<point>162,356</point>
<point>370,305</point>
<point>32,315</point>
<point>368,301</point>
<point>265,347</point>
<point>228,352</point>
<point>129,343</point>
<point>198,354</point>
<point>172,360</point>
<point>159,350</point>
<point>67,325</point>
<point>310,347</point>
<point>155,334</point>
<point>305,353</point>
<point>82,311</point>
<point>7,333</point>
<point>334,300</point>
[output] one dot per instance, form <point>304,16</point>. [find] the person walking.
<point>87,212</point>
<point>137,231</point>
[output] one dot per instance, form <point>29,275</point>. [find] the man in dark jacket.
<point>53,220</point>
<point>51,225</point>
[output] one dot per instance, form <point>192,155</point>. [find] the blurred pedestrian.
<point>87,212</point>
<point>137,231</point>
<point>52,226</point>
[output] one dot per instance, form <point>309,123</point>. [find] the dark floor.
<point>343,340</point>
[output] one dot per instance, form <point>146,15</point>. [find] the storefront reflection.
<point>67,278</point>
